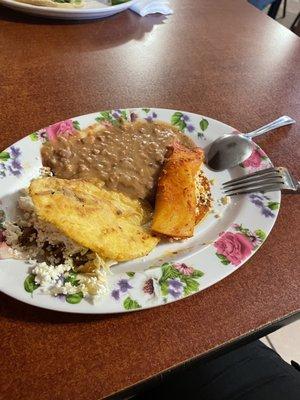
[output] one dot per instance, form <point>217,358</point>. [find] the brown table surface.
<point>219,58</point>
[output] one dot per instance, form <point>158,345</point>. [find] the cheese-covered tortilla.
<point>106,222</point>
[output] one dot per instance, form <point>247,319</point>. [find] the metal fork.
<point>266,180</point>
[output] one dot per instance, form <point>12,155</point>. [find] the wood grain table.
<point>223,59</point>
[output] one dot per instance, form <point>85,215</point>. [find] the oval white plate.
<point>93,9</point>
<point>224,241</point>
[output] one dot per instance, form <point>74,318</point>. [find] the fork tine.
<point>261,188</point>
<point>255,182</point>
<point>254,174</point>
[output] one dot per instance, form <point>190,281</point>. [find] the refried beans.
<point>127,157</point>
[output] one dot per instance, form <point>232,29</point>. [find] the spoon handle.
<point>282,121</point>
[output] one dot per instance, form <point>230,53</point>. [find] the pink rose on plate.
<point>63,128</point>
<point>184,269</point>
<point>255,159</point>
<point>234,246</point>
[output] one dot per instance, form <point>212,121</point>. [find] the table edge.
<point>217,351</point>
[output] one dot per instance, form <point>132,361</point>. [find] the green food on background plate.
<point>116,2</point>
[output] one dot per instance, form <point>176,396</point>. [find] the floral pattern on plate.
<point>235,247</point>
<point>267,207</point>
<point>10,162</point>
<point>183,123</point>
<point>170,281</point>
<point>38,135</point>
<point>65,128</point>
<point>258,160</point>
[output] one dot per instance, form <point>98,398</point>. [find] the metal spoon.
<point>232,149</point>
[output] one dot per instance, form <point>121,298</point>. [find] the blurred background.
<point>286,12</point>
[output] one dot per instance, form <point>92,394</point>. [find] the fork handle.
<point>282,121</point>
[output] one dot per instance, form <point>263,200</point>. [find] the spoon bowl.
<point>232,149</point>
<point>228,151</point>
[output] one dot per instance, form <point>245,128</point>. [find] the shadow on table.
<point>14,310</point>
<point>108,32</point>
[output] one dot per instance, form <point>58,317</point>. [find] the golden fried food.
<point>108,223</point>
<point>180,193</point>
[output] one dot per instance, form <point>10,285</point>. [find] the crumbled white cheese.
<point>51,280</point>
<point>46,275</point>
<point>94,286</point>
<point>66,288</point>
